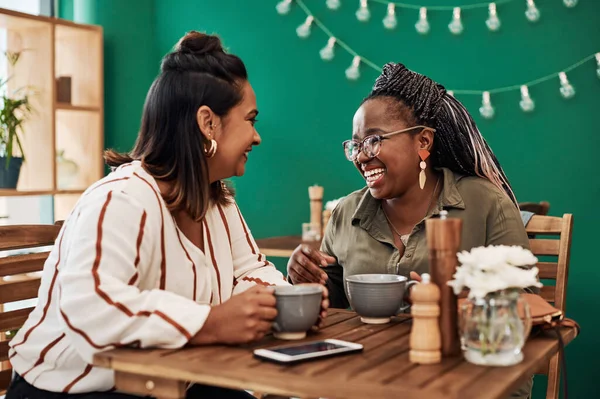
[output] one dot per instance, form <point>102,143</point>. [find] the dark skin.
<point>403,201</point>
<point>248,316</point>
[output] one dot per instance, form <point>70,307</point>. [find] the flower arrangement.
<point>485,270</point>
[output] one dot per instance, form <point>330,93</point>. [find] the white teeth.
<point>374,174</point>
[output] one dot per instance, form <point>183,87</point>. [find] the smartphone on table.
<point>293,353</point>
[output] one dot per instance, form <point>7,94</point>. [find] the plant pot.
<point>9,176</point>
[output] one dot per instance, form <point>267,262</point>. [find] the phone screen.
<point>320,346</point>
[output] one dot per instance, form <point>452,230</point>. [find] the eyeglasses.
<point>371,145</point>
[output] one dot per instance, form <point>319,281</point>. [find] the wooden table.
<point>282,246</point>
<point>382,370</point>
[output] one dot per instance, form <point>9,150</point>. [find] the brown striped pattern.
<point>191,261</point>
<point>249,240</point>
<point>48,295</point>
<point>224,219</point>
<point>43,353</point>
<point>104,295</point>
<point>163,264</point>
<point>138,244</point>
<point>257,281</point>
<point>212,257</point>
<point>87,370</point>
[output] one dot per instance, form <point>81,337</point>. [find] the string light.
<point>333,4</point>
<point>353,71</point>
<point>493,22</point>
<point>456,26</point>
<point>486,110</point>
<point>390,21</point>
<point>526,102</point>
<point>566,90</point>
<point>422,24</point>
<point>303,30</point>
<point>363,14</point>
<point>570,3</point>
<point>284,6</point>
<point>532,13</point>
<point>327,53</point>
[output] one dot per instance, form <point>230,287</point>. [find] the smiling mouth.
<point>374,175</point>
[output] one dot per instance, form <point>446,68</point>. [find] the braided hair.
<point>458,145</point>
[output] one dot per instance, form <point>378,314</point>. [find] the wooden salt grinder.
<point>425,339</point>
<point>443,241</point>
<point>315,193</point>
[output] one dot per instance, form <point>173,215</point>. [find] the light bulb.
<point>532,13</point>
<point>451,92</point>
<point>566,90</point>
<point>363,14</point>
<point>486,110</point>
<point>333,4</point>
<point>526,102</point>
<point>327,53</point>
<point>352,72</point>
<point>598,61</point>
<point>493,22</point>
<point>570,3</point>
<point>456,26</point>
<point>303,30</point>
<point>390,21</point>
<point>283,7</point>
<point>422,24</point>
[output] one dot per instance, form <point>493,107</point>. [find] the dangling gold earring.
<point>212,150</point>
<point>423,154</point>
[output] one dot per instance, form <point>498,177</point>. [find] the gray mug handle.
<point>406,291</point>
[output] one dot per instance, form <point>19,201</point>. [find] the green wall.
<point>307,106</point>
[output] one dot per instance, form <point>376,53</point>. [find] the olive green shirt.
<point>359,237</point>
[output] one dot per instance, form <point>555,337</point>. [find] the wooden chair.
<point>16,284</point>
<point>538,208</point>
<point>558,247</point>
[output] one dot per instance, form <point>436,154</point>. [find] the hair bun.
<point>198,43</point>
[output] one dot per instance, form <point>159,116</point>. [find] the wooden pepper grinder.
<point>315,193</point>
<point>425,339</point>
<point>443,241</point>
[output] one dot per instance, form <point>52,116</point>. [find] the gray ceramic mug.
<point>298,309</point>
<point>378,297</point>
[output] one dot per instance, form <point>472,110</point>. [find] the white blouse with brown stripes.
<point>123,274</point>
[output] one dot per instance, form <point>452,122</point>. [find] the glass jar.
<point>494,328</point>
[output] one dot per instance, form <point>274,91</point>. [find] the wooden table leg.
<point>160,388</point>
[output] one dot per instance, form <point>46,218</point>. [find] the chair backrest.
<point>538,208</point>
<point>19,280</point>
<point>552,238</point>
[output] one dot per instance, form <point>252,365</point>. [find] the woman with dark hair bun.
<point>156,254</point>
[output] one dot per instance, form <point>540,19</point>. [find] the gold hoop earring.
<point>212,150</point>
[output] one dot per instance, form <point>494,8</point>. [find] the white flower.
<point>489,269</point>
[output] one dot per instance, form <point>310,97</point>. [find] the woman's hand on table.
<point>305,265</point>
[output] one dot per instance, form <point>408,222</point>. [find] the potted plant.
<point>493,330</point>
<point>15,108</point>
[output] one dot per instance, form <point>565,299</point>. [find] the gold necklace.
<point>404,238</point>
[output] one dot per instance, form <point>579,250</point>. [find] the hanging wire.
<point>377,68</point>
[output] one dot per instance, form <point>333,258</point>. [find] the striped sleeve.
<point>250,266</point>
<point>114,241</point>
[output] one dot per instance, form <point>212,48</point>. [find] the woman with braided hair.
<point>419,152</point>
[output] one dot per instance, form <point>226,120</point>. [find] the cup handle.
<point>406,296</point>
